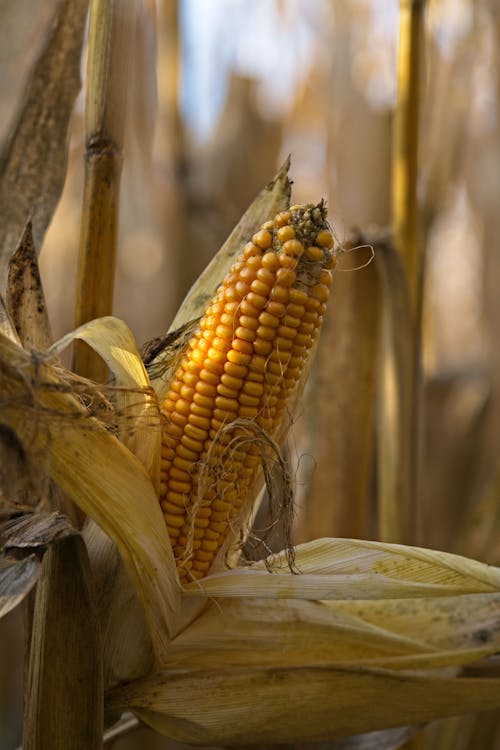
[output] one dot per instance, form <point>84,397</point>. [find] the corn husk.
<point>104,478</point>
<point>294,705</point>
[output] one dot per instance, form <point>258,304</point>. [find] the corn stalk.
<point>110,44</point>
<point>399,412</point>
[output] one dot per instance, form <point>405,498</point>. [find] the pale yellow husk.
<point>105,479</point>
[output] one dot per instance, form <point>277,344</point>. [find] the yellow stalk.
<point>398,516</point>
<point>399,412</point>
<point>110,42</point>
<point>405,146</point>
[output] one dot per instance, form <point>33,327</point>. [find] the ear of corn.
<point>242,365</point>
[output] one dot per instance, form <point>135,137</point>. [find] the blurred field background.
<point>240,85</point>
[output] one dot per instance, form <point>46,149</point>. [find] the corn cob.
<point>244,362</point>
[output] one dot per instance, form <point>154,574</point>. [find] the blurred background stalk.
<point>399,408</point>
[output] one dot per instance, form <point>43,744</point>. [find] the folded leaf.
<point>17,578</point>
<point>355,569</point>
<point>99,474</point>
<point>113,341</point>
<point>233,706</point>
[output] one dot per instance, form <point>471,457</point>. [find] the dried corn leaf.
<point>64,706</point>
<point>99,474</point>
<point>273,198</point>
<point>34,531</point>
<point>33,162</point>
<point>355,569</point>
<point>25,295</point>
<point>339,419</point>
<point>382,605</point>
<point>139,414</point>
<point>7,327</point>
<point>17,578</point>
<point>428,633</point>
<point>227,706</point>
<point>127,647</point>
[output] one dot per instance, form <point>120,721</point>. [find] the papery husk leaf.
<point>273,198</point>
<point>112,339</point>
<point>227,707</point>
<point>17,578</point>
<point>34,531</point>
<point>99,474</point>
<point>355,569</point>
<point>33,162</point>
<point>64,700</point>
<point>422,633</point>
<point>127,646</point>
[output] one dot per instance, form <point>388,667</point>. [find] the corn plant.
<point>130,501</point>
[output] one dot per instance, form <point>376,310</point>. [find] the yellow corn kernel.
<point>263,239</point>
<point>324,239</point>
<point>286,233</point>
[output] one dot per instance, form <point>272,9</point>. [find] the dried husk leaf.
<point>399,634</point>
<point>100,475</point>
<point>382,605</point>
<point>127,646</point>
<point>273,198</point>
<point>34,531</point>
<point>355,569</point>
<point>121,614</point>
<point>339,406</point>
<point>64,702</point>
<point>113,341</point>
<point>17,578</point>
<point>23,540</point>
<point>33,162</point>
<point>228,706</point>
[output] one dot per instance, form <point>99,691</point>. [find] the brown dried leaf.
<point>33,162</point>
<point>17,578</point>
<point>25,296</point>
<point>35,531</point>
<point>273,198</point>
<point>339,406</point>
<point>6,324</point>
